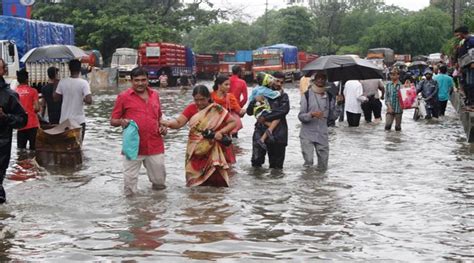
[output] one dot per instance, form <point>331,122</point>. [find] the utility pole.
<point>456,12</point>
<point>266,21</point>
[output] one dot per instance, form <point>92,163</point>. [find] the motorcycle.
<point>420,108</point>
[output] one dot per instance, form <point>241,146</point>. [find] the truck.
<point>207,65</point>
<point>303,59</point>
<point>242,58</point>
<point>19,35</point>
<point>381,56</point>
<point>279,57</point>
<point>124,60</point>
<point>173,59</point>
<point>403,57</point>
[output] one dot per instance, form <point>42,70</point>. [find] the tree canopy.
<point>325,27</point>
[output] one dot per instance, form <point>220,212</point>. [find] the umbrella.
<point>53,53</point>
<point>418,63</point>
<point>399,63</point>
<point>344,68</point>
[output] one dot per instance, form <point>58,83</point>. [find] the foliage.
<point>327,27</point>
<point>107,25</point>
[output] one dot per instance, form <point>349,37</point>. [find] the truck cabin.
<point>124,60</point>
<point>9,53</point>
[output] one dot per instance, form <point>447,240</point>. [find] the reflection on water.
<point>387,195</point>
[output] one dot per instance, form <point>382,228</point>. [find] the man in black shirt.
<point>54,107</point>
<point>276,146</point>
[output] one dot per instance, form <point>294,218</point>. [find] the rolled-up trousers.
<point>155,169</point>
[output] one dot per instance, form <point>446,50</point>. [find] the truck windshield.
<point>124,59</point>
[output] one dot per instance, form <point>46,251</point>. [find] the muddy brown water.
<point>405,196</point>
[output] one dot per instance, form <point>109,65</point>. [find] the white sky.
<point>256,8</point>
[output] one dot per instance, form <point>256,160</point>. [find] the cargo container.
<point>173,59</point>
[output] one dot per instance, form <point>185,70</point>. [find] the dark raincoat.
<point>15,118</point>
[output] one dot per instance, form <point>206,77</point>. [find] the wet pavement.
<point>405,196</point>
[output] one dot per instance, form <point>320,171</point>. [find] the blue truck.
<point>18,35</point>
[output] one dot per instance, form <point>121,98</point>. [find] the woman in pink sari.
<point>209,127</point>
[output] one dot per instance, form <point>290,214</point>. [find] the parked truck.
<point>19,35</point>
<point>403,57</point>
<point>280,57</point>
<point>173,59</point>
<point>207,65</point>
<point>242,58</point>
<point>124,60</point>
<point>381,56</point>
<point>303,59</point>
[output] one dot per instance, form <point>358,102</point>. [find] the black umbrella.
<point>343,67</point>
<point>53,53</point>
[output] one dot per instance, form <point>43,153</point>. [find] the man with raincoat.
<point>12,116</point>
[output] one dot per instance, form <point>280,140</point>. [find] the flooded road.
<point>405,196</point>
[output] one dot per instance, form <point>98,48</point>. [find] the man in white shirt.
<point>74,92</point>
<point>353,95</point>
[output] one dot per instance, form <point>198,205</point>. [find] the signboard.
<point>153,51</point>
<point>17,8</point>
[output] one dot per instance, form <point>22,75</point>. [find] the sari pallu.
<point>206,162</point>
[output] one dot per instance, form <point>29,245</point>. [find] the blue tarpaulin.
<point>243,56</point>
<point>189,57</point>
<point>290,53</point>
<point>29,34</point>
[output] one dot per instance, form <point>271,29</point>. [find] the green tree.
<point>295,27</point>
<point>328,17</point>
<point>220,37</point>
<point>414,33</point>
<point>107,25</point>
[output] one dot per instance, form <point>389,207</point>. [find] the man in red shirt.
<point>238,87</point>
<point>141,104</point>
<point>30,101</point>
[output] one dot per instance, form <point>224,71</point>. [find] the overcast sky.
<point>255,8</point>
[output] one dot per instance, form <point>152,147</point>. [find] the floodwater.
<point>405,196</point>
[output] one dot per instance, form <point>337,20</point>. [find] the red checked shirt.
<point>146,114</point>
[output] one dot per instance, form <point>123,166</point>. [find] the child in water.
<point>260,94</point>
